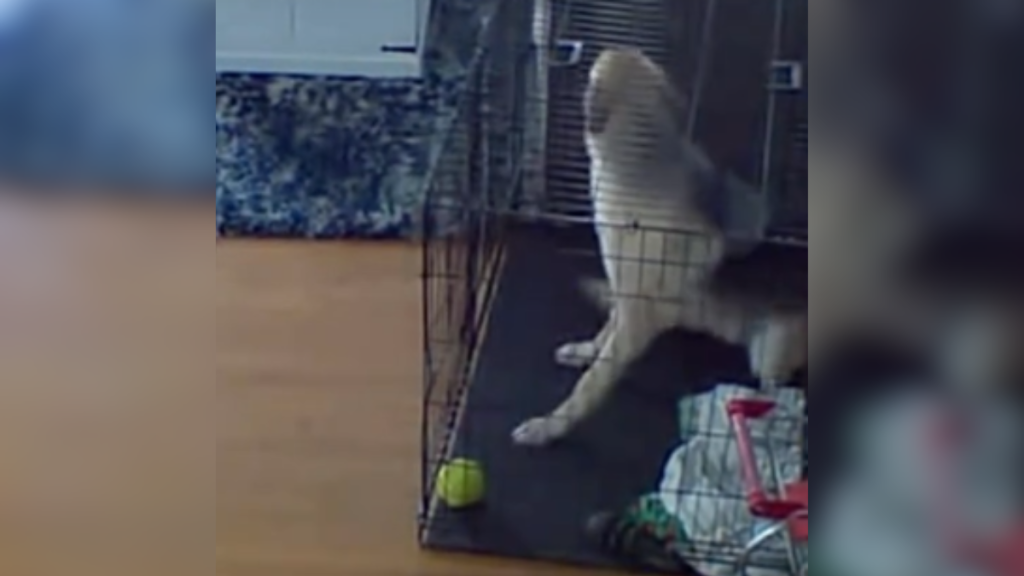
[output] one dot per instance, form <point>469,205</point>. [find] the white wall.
<point>324,37</point>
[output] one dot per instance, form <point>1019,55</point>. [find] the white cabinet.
<point>377,38</point>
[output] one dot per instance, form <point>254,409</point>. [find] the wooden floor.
<point>170,409</point>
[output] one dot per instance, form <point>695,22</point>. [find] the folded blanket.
<point>698,521</point>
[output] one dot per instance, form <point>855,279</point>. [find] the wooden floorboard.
<point>171,408</point>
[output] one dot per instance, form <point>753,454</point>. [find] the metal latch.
<point>566,52</point>
<point>398,49</point>
<point>786,76</point>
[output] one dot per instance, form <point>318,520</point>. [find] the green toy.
<point>460,483</point>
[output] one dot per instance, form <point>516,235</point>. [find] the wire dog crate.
<point>512,272</point>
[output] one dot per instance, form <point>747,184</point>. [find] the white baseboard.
<point>383,66</point>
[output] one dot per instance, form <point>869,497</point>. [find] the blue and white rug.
<point>325,157</point>
<point>338,157</point>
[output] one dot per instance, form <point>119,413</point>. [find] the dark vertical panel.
<point>790,128</point>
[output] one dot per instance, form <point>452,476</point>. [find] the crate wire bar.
<point>474,182</point>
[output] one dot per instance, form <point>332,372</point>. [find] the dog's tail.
<point>597,292</point>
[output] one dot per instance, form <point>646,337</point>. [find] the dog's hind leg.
<point>626,340</point>
<point>778,349</point>
<point>583,353</point>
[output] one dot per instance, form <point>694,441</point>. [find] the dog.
<point>666,219</point>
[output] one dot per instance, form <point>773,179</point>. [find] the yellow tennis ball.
<point>460,483</point>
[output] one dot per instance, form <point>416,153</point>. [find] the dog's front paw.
<point>576,354</point>
<point>540,431</point>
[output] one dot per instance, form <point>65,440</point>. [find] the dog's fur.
<point>666,220</point>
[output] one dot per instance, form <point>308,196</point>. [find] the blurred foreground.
<point>917,217</point>
<point>114,92</point>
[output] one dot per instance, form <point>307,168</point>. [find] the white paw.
<point>540,431</point>
<point>576,354</point>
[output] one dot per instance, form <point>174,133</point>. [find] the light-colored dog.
<point>665,219</point>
